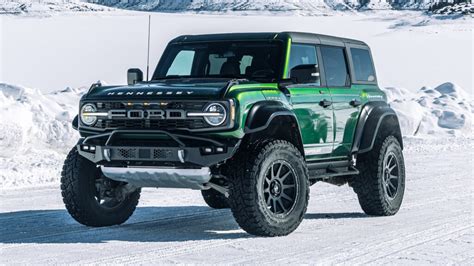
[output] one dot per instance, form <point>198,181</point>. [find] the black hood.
<point>160,90</point>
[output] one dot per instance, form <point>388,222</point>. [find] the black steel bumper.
<point>159,148</point>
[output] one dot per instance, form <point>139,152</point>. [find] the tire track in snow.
<point>151,254</point>
<point>450,234</point>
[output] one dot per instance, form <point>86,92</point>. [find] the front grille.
<point>127,153</point>
<point>162,154</point>
<point>139,153</point>
<point>153,123</point>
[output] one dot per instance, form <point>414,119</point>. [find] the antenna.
<point>148,53</point>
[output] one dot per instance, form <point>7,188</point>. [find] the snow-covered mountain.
<point>291,6</point>
<point>46,7</point>
<point>285,7</point>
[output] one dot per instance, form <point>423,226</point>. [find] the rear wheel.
<point>91,198</point>
<point>269,189</point>
<point>380,185</point>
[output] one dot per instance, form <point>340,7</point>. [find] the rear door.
<point>312,106</point>
<point>345,97</point>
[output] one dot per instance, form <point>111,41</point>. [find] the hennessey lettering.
<point>148,93</point>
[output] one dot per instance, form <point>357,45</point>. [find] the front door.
<point>312,106</point>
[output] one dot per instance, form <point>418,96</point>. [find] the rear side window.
<point>335,66</point>
<point>363,66</point>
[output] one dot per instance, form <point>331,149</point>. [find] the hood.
<point>159,90</point>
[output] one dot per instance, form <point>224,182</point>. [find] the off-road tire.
<point>215,199</point>
<point>245,194</point>
<point>369,184</point>
<point>78,189</point>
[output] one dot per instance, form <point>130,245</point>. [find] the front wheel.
<point>269,189</point>
<point>381,183</point>
<point>91,198</point>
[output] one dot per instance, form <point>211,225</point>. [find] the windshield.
<point>230,59</point>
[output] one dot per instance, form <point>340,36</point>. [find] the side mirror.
<point>305,73</point>
<point>134,75</point>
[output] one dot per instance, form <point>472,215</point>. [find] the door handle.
<point>355,102</point>
<point>325,103</point>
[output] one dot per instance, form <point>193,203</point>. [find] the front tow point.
<point>181,155</point>
<point>107,154</point>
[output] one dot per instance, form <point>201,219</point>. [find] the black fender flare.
<point>371,117</point>
<point>263,113</point>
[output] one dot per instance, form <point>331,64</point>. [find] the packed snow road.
<point>434,225</point>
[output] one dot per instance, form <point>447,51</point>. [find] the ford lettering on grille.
<point>147,114</point>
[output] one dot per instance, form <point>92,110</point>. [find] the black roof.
<point>295,36</point>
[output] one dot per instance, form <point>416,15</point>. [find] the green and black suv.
<point>250,119</point>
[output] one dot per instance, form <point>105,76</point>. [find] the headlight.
<point>219,114</point>
<point>88,116</point>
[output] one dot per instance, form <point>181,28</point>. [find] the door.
<point>346,98</point>
<point>312,106</point>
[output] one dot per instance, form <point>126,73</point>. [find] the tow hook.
<point>107,154</point>
<point>181,155</point>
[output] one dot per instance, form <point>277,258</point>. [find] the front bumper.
<point>159,148</point>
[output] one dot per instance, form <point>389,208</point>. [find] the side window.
<point>363,66</point>
<point>182,64</point>
<point>335,66</point>
<point>302,54</point>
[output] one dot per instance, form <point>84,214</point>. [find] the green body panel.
<point>345,118</point>
<point>315,122</point>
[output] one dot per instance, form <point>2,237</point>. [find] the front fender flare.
<point>262,114</point>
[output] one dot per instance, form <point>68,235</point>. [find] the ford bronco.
<point>250,119</point>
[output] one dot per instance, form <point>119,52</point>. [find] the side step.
<point>334,172</point>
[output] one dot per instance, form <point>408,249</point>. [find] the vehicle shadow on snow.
<point>148,224</point>
<point>342,215</point>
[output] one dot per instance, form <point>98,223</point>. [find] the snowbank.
<point>444,110</point>
<point>35,133</point>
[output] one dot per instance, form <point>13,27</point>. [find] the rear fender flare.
<point>373,117</point>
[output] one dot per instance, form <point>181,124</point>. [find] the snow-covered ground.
<point>434,225</point>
